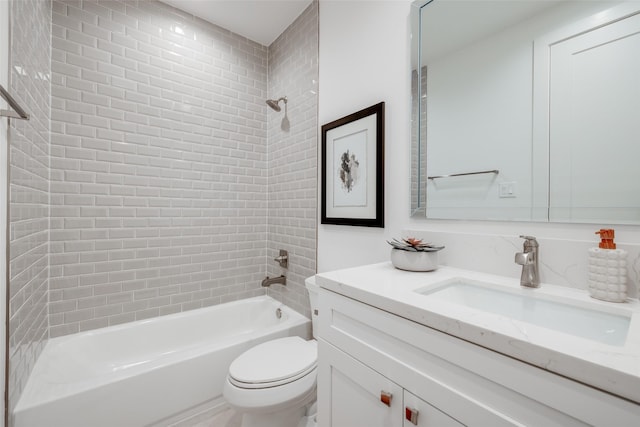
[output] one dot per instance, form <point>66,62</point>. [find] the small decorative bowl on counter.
<point>413,255</point>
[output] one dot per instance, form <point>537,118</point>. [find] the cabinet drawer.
<point>424,414</point>
<point>451,373</point>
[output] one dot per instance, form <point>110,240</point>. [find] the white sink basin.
<point>579,320</point>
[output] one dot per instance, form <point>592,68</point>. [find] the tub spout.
<point>280,279</point>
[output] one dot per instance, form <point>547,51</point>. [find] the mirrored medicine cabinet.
<point>526,110</point>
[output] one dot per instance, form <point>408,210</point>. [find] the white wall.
<point>364,59</point>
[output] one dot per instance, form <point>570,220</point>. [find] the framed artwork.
<point>353,169</point>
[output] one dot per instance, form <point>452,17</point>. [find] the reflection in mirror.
<point>593,97</point>
<point>538,93</point>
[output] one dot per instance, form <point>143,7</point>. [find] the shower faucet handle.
<point>282,259</point>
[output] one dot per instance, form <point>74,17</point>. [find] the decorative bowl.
<point>414,261</point>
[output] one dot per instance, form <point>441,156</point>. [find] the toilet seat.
<point>274,363</point>
<point>272,399</point>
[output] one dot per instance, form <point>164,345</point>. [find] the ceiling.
<point>259,20</point>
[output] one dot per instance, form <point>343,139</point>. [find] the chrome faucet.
<point>528,259</point>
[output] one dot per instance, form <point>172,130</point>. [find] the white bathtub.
<point>148,372</point>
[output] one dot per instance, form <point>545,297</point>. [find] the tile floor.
<point>226,418</point>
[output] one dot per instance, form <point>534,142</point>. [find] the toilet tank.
<point>313,289</point>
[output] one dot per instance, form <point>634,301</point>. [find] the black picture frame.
<point>353,169</point>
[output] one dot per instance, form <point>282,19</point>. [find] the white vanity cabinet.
<point>365,352</point>
<point>361,397</point>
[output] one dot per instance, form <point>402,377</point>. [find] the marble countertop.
<point>612,368</point>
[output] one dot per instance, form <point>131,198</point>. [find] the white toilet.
<point>273,383</point>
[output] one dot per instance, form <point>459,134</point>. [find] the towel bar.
<point>496,171</point>
<point>18,112</point>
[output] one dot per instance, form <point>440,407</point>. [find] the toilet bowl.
<point>273,383</point>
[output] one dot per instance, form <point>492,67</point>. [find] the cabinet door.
<point>419,413</point>
<point>351,394</point>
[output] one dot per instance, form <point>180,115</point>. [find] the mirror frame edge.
<point>419,209</point>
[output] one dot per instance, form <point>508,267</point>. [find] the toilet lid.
<point>275,361</point>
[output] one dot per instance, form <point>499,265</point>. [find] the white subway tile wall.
<point>158,164</point>
<point>293,154</point>
<point>28,189</point>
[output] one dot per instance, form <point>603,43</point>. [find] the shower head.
<point>274,103</point>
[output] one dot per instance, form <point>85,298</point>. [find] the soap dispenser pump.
<point>607,277</point>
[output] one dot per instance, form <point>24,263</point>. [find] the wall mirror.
<point>526,110</point>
